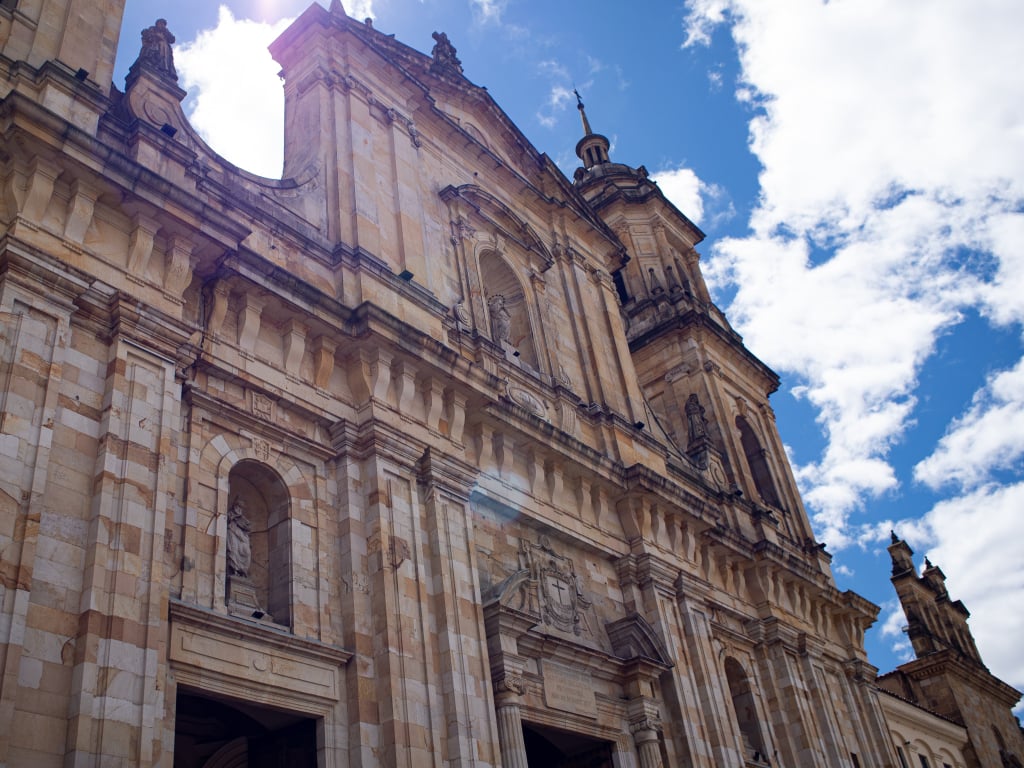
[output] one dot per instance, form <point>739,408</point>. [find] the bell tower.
<point>947,674</point>
<point>707,391</point>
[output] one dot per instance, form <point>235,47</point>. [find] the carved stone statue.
<point>698,425</point>
<point>239,547</point>
<point>156,48</point>
<point>444,53</point>
<point>501,319</point>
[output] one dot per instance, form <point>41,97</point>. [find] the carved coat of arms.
<point>561,601</point>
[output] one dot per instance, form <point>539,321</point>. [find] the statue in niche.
<point>699,444</point>
<point>698,425</point>
<point>444,53</point>
<point>156,48</point>
<point>501,319</point>
<point>239,546</point>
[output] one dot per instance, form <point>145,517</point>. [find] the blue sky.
<point>858,167</point>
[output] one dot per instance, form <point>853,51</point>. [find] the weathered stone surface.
<point>432,399</point>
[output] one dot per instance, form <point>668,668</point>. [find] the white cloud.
<point>553,69</point>
<point>891,138</point>
<point>989,437</point>
<point>684,189</point>
<point>892,630</point>
<point>488,11</point>
<point>360,9</point>
<point>888,150</point>
<point>559,97</point>
<point>843,570</point>
<point>236,99</point>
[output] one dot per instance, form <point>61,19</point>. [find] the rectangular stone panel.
<point>568,689</point>
<point>249,660</point>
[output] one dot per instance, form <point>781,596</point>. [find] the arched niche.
<point>745,710</point>
<point>507,308</point>
<point>258,583</point>
<point>757,462</point>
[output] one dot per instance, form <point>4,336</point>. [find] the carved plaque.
<point>262,406</point>
<point>261,449</point>
<point>568,689</point>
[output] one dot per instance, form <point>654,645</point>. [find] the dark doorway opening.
<point>552,748</point>
<point>223,733</point>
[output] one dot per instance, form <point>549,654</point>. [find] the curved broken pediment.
<point>504,219</point>
<point>633,637</point>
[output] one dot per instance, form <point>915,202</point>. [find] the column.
<point>510,724</point>
<point>645,735</point>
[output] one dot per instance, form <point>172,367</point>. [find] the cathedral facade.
<point>422,455</point>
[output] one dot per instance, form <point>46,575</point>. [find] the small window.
<point>924,761</point>
<point>902,757</point>
<point>855,760</point>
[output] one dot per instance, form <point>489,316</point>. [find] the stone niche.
<point>258,544</point>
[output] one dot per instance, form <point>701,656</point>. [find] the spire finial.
<point>583,113</point>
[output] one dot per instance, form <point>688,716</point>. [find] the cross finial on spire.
<point>583,113</point>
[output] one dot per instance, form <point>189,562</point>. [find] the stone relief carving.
<point>562,377</point>
<point>262,406</point>
<point>526,399</point>
<point>567,416</point>
<point>261,449</point>
<point>461,230</point>
<point>461,314</point>
<point>562,602</point>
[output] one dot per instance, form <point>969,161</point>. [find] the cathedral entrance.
<point>552,748</point>
<point>218,733</point>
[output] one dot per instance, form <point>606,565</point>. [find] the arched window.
<point>757,461</point>
<point>258,546</point>
<point>745,711</point>
<point>508,314</point>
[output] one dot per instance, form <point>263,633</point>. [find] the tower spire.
<point>592,149</point>
<point>583,113</point>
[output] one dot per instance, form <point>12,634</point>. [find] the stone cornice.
<point>690,319</point>
<point>971,674</point>
<point>36,124</point>
<point>223,412</point>
<point>231,626</point>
